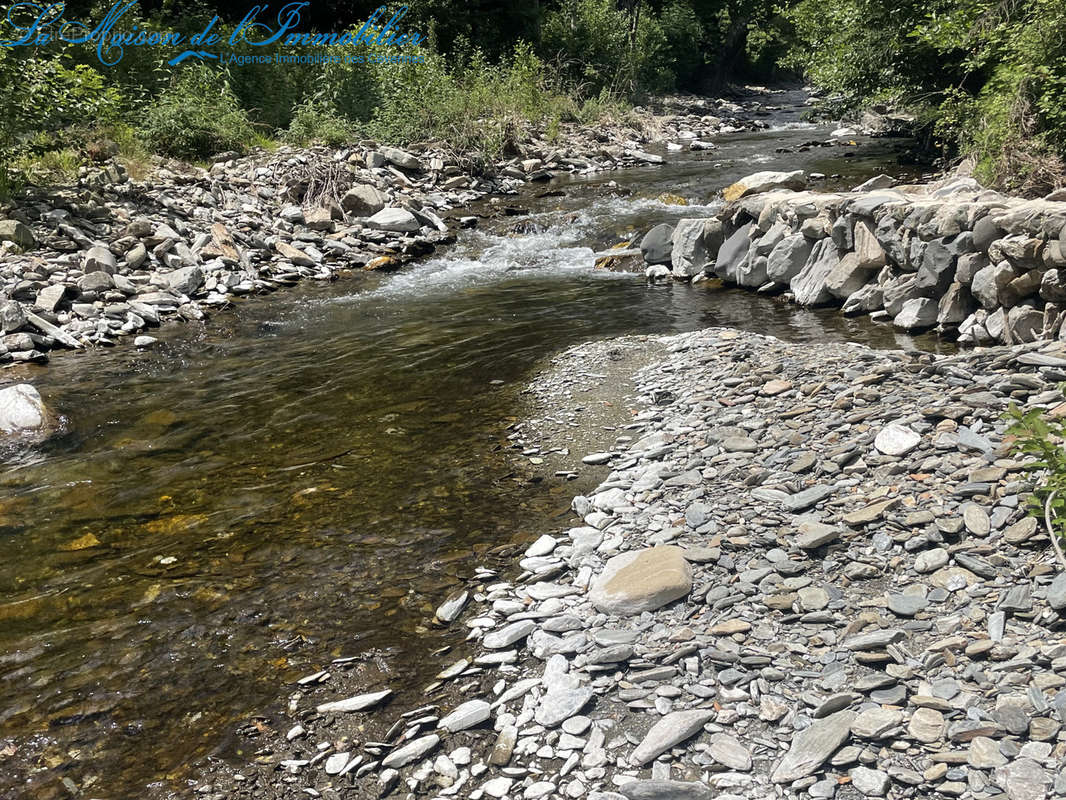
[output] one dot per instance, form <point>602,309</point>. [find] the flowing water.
<point>304,478</point>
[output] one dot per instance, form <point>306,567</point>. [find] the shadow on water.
<point>306,477</point>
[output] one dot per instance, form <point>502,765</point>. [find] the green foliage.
<point>318,122</point>
<point>684,41</point>
<point>197,115</point>
<point>991,74</point>
<point>490,70</point>
<point>40,98</point>
<point>50,166</point>
<point>1045,438</point>
<point>464,101</point>
<point>599,46</point>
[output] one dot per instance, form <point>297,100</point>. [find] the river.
<point>304,478</point>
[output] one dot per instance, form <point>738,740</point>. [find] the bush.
<point>41,98</point>
<point>1037,435</point>
<point>318,121</point>
<point>196,116</point>
<point>464,101</point>
<point>598,49</point>
<point>991,74</point>
<point>684,41</point>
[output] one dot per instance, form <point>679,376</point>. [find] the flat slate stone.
<point>643,580</point>
<point>412,751</point>
<point>558,706</point>
<point>814,534</point>
<point>666,790</point>
<point>729,752</point>
<point>672,729</point>
<point>812,746</point>
<point>926,725</point>
<point>509,634</point>
<point>358,703</point>
<point>870,512</point>
<point>906,605</point>
<point>878,640</point>
<point>1023,779</point>
<point>875,723</point>
<point>467,715</point>
<point>807,498</point>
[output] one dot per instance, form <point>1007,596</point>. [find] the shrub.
<point>41,98</point>
<point>465,101</point>
<point>197,115</point>
<point>319,121</point>
<point>600,47</point>
<point>993,74</point>
<point>1045,438</point>
<point>684,41</point>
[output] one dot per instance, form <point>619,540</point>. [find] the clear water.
<point>305,477</point>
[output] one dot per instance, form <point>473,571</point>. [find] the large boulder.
<point>185,280</point>
<point>11,230</point>
<point>937,270</point>
<point>752,273</point>
<point>1024,324</point>
<point>12,316</point>
<point>642,580</point>
<point>917,314</point>
<point>657,246</point>
<point>694,243</point>
<point>856,268</point>
<point>99,258</point>
<point>1053,286</point>
<point>990,281</point>
<point>808,286</point>
<point>870,297</point>
<point>733,254</point>
<point>363,200</point>
<point>23,412</point>
<point>985,231</point>
<point>969,264</point>
<point>955,306</point>
<point>401,158</point>
<point>51,297</point>
<point>761,182</point>
<point>98,281</point>
<point>788,257</point>
<point>898,291</point>
<point>398,220</point>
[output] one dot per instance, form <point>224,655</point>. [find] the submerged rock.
<point>23,412</point>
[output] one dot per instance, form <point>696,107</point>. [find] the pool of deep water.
<point>306,476</point>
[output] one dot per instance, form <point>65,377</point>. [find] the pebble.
<point>358,703</point>
<point>729,752</point>
<point>469,714</point>
<point>412,751</point>
<point>896,440</point>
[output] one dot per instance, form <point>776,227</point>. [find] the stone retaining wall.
<point>969,262</point>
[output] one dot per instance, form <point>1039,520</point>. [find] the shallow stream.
<point>305,477</point>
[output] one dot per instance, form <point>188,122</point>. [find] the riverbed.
<point>306,477</point>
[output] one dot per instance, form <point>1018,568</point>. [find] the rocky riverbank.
<point>976,265</point>
<point>806,572</point>
<point>109,259</point>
